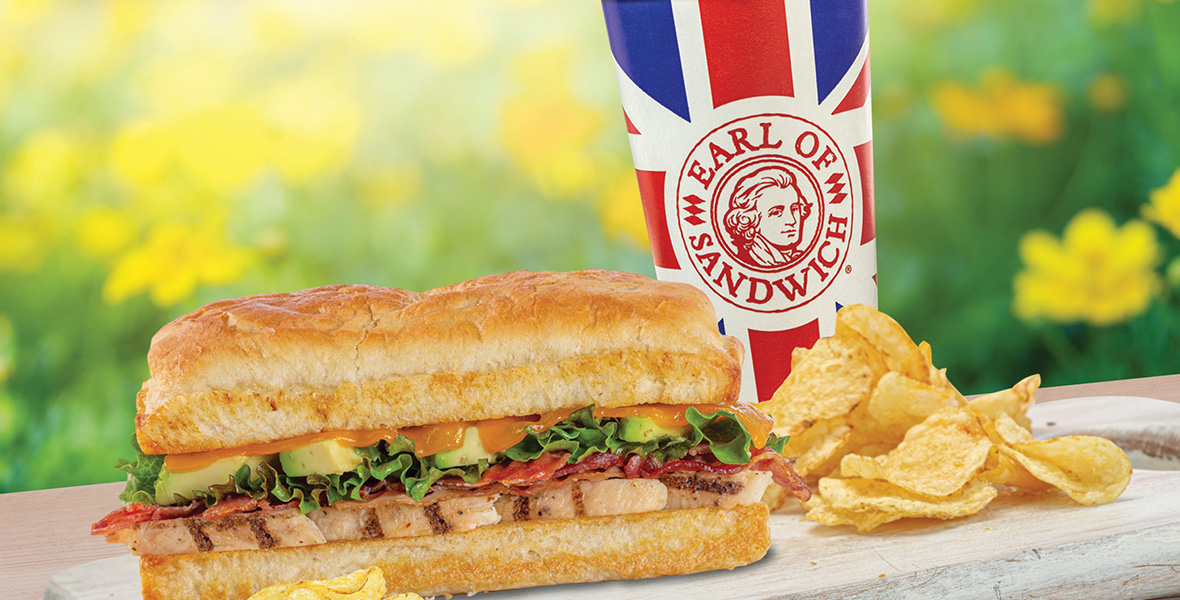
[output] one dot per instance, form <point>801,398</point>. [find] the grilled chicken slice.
<point>699,489</point>
<point>622,496</point>
<point>397,516</point>
<point>390,518</point>
<point>588,498</point>
<point>250,531</point>
<point>553,503</point>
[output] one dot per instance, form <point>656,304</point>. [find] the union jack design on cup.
<point>750,128</point>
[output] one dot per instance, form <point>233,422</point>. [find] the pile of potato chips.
<point>888,436</point>
<point>368,584</point>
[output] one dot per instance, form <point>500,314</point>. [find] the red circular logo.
<point>764,205</point>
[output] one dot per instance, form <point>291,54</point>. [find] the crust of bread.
<point>532,553</point>
<point>350,357</point>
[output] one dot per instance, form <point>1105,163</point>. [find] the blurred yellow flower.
<point>273,27</point>
<point>13,55</point>
<point>126,19</point>
<point>1003,107</point>
<point>303,127</point>
<point>546,128</point>
<point>1098,272</point>
<point>104,231</point>
<point>23,13</point>
<point>271,243</point>
<point>389,186</point>
<point>142,153</point>
<point>191,80</point>
<point>45,168</point>
<point>314,121</point>
<point>1116,12</point>
<point>622,210</point>
<point>1107,92</point>
<point>223,147</point>
<point>24,241</point>
<point>220,147</point>
<point>927,14</point>
<point>458,35</point>
<point>1165,205</point>
<point>173,261</point>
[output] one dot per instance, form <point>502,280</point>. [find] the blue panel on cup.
<point>839,29</point>
<point>643,40</point>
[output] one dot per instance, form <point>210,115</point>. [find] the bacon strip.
<point>522,473</point>
<point>137,512</point>
<point>782,470</point>
<point>599,461</point>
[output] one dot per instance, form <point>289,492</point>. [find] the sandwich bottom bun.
<point>516,555</point>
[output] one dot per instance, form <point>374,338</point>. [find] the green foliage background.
<point>433,181</point>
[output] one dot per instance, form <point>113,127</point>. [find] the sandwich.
<point>514,430</point>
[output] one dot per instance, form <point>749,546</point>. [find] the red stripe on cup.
<point>651,190</point>
<point>864,157</point>
<point>771,353</point>
<point>746,49</point>
<point>631,128</point>
<point>858,94</point>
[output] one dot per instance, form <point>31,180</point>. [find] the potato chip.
<point>898,402</point>
<point>926,351</point>
<point>938,377</point>
<point>1014,402</point>
<point>359,585</point>
<point>1091,470</point>
<point>869,449</point>
<point>1008,432</point>
<point>940,455</point>
<point>826,381</point>
<point>1003,470</point>
<point>868,504</point>
<point>817,450</point>
<point>909,444</point>
<point>939,380</point>
<point>856,465</point>
<point>884,334</point>
<point>937,457</point>
<point>864,520</point>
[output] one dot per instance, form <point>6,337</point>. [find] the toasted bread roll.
<point>277,366</point>
<point>515,555</point>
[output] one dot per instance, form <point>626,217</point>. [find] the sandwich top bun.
<point>354,358</point>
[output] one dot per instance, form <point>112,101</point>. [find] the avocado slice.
<point>641,429</point>
<point>324,458</point>
<point>175,488</point>
<point>469,453</point>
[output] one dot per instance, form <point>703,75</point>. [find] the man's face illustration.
<point>779,219</point>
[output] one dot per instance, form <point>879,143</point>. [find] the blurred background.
<point>155,156</point>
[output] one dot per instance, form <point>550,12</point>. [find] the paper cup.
<point>750,129</point>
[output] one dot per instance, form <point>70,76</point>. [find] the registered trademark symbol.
<point>847,269</point>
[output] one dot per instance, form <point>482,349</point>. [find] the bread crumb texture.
<point>354,357</point>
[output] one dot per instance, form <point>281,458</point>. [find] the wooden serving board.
<point>1034,546</point>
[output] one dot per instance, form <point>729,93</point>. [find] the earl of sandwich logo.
<point>765,208</point>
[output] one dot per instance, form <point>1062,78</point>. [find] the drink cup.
<point>750,130</point>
